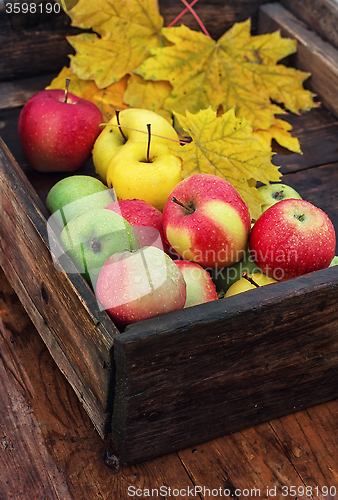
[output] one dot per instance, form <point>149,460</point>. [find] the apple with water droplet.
<point>206,221</point>
<point>145,219</point>
<point>292,238</point>
<point>57,130</point>
<point>133,286</point>
<point>200,287</point>
<point>143,171</point>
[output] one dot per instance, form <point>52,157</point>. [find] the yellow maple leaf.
<point>237,70</point>
<point>146,94</point>
<point>224,146</point>
<point>124,32</point>
<point>280,131</point>
<point>108,99</point>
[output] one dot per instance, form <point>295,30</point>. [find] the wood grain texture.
<point>321,15</point>
<point>26,467</point>
<point>80,341</point>
<point>16,93</point>
<point>32,51</point>
<point>313,56</point>
<point>230,367</point>
<point>217,17</point>
<point>261,349</point>
<point>66,459</point>
<point>315,131</point>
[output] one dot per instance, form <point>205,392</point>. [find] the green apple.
<point>252,281</point>
<point>273,193</point>
<point>90,238</point>
<point>135,174</point>
<point>133,123</point>
<point>226,276</point>
<point>75,195</point>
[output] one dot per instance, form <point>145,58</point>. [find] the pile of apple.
<point>147,241</point>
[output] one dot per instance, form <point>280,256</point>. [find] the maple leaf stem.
<point>119,124</point>
<point>250,280</point>
<point>66,89</point>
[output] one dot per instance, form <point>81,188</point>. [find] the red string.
<point>182,14</point>
<point>189,7</point>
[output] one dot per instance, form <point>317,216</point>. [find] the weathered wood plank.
<point>295,450</point>
<point>321,15</point>
<point>80,340</point>
<point>279,459</point>
<point>314,55</point>
<point>316,131</point>
<point>166,377</point>
<point>306,438</point>
<point>248,464</point>
<point>17,92</point>
<point>26,467</point>
<point>66,434</point>
<point>40,49</point>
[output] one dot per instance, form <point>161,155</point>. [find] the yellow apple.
<point>133,176</point>
<point>104,149</point>
<point>243,284</point>
<point>133,123</point>
<point>273,193</point>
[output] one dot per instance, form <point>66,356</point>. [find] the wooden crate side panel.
<point>88,400</point>
<point>79,336</point>
<point>314,55</point>
<point>204,375</point>
<point>321,15</point>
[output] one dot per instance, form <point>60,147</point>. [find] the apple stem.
<point>186,207</point>
<point>248,278</point>
<point>67,89</point>
<point>119,124</point>
<point>149,139</point>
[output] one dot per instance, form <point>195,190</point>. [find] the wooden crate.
<point>186,377</point>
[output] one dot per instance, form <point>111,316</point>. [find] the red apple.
<point>138,285</point>
<point>206,221</point>
<point>58,136</point>
<point>145,219</point>
<point>200,287</point>
<point>292,238</point>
